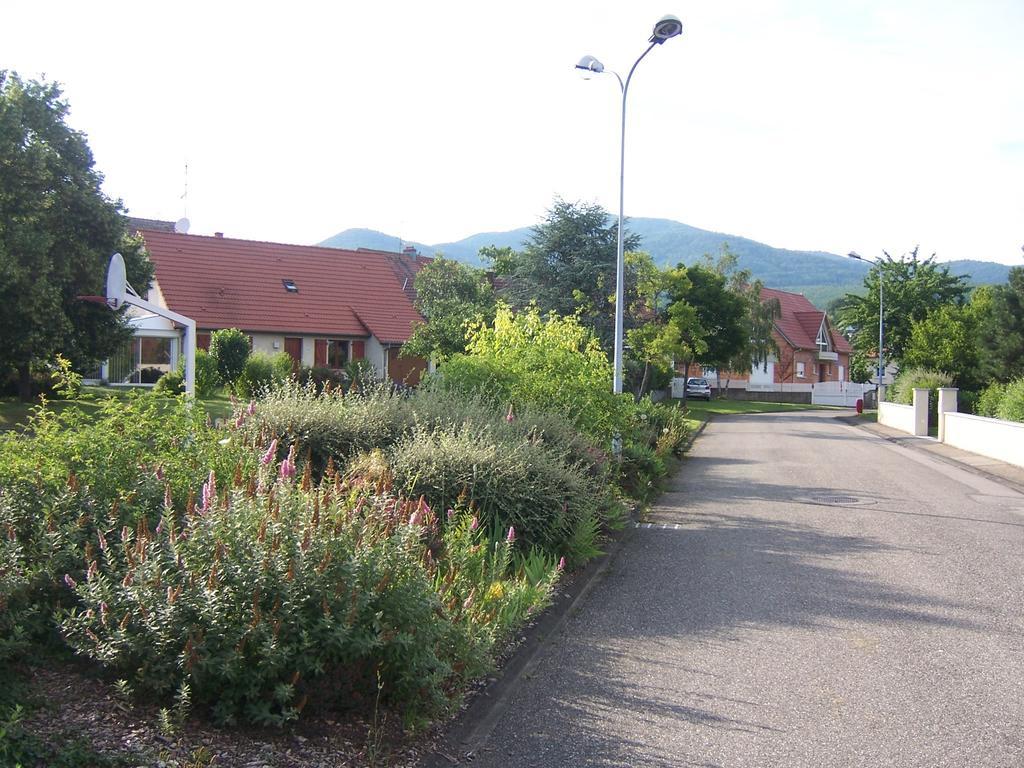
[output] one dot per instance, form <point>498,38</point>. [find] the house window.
<point>337,353</point>
<point>799,370</point>
<point>823,340</point>
<point>290,286</point>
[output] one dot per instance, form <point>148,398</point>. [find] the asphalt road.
<point>808,595</point>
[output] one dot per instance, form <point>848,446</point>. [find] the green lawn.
<point>14,413</point>
<point>703,409</point>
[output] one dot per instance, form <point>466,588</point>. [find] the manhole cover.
<point>840,501</point>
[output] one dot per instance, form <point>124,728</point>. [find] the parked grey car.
<point>698,388</point>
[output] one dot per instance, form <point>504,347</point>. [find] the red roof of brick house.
<point>800,321</point>
<point>223,282</point>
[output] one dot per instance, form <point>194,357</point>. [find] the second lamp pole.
<point>668,26</point>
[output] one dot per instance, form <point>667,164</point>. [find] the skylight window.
<point>290,286</point>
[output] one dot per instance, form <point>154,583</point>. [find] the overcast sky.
<point>862,125</point>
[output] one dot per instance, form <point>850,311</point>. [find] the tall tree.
<point>57,232</point>
<point>721,312</point>
<point>449,296</point>
<point>911,287</point>
<point>568,267</point>
<point>1000,314</point>
<point>946,340</point>
<point>664,327</point>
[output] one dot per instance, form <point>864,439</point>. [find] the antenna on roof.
<point>184,196</point>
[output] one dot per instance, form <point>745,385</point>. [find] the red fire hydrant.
<point>860,405</point>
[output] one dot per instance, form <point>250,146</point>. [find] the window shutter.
<point>358,350</point>
<point>320,353</point>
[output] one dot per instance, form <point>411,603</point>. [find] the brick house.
<point>810,350</point>
<point>322,306</point>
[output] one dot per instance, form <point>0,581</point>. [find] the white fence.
<point>839,393</point>
<point>995,438</point>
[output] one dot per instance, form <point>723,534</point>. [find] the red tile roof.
<point>800,321</point>
<point>222,282</point>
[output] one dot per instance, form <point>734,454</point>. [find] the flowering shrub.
<point>270,597</point>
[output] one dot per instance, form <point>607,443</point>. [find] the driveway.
<point>807,594</point>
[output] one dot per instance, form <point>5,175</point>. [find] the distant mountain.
<point>820,276</point>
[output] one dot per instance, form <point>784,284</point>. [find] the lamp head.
<point>589,66</point>
<point>667,26</point>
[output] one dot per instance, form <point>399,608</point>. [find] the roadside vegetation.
<point>332,547</point>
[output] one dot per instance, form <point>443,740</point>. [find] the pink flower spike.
<point>416,518</point>
<point>209,492</point>
<point>561,564</point>
<point>69,581</point>
<point>511,535</point>
<point>103,541</point>
<point>252,408</point>
<point>239,421</point>
<point>474,524</point>
<point>270,454</point>
<point>159,473</point>
<point>451,514</point>
<point>167,497</point>
<point>510,416</point>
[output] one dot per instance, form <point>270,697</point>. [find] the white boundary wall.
<point>897,416</point>
<point>995,438</point>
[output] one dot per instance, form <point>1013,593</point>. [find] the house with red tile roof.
<point>323,306</point>
<point>810,350</point>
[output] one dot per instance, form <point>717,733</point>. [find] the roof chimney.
<point>218,234</point>
<point>410,251</point>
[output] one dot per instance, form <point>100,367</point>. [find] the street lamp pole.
<point>881,315</point>
<point>668,26</point>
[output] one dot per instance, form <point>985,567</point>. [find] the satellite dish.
<point>181,226</point>
<point>116,281</point>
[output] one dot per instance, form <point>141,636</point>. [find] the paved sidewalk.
<point>995,469</point>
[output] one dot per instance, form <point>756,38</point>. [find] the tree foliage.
<point>230,348</point>
<point>57,233</point>
<point>449,295</point>
<point>1000,314</point>
<point>911,287</point>
<point>549,363</point>
<point>946,340</point>
<point>568,267</point>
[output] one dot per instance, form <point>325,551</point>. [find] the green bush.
<point>509,481</point>
<point>552,363</point>
<point>1011,407</point>
<point>170,384</point>
<point>263,372</point>
<point>328,425</point>
<point>902,390</point>
<point>990,399</point>
<point>230,348</point>
<point>322,378</point>
<point>207,378</point>
<point>640,469</point>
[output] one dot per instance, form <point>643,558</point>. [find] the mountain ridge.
<point>819,275</point>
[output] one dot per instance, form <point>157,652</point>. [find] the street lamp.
<point>668,26</point>
<point>881,322</point>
